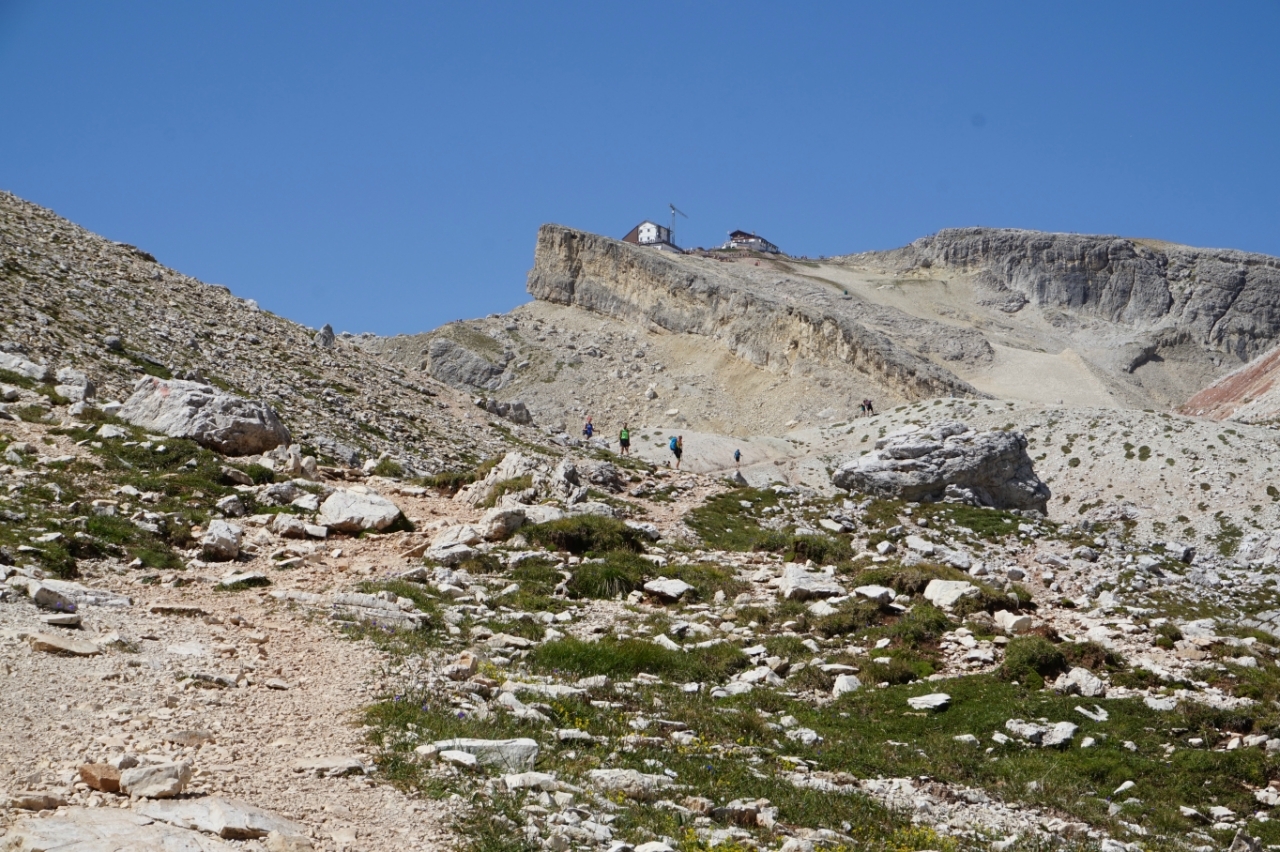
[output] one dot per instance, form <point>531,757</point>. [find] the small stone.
<point>52,643</point>
<point>101,776</point>
<point>879,594</point>
<point>461,759</point>
<point>845,684</point>
<point>221,541</point>
<point>27,801</point>
<point>158,781</point>
<point>629,782</point>
<point>668,590</point>
<point>329,767</point>
<point>933,701</point>
<point>947,593</point>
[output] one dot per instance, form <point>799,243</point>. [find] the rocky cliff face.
<point>770,321</point>
<point>1225,300</point>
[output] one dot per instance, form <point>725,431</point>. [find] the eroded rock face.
<point>220,421</point>
<point>456,365</point>
<point>949,460</point>
<point>1222,299</point>
<point>771,324</point>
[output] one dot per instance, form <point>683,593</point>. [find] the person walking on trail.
<point>589,429</point>
<point>624,441</point>
<point>676,445</point>
<point>871,411</point>
<point>737,458</point>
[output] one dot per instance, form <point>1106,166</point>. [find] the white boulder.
<point>221,541</point>
<point>157,781</point>
<point>353,512</point>
<point>220,421</point>
<point>947,593</point>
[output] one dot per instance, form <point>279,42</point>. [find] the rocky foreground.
<point>263,588</point>
<point>563,648</point>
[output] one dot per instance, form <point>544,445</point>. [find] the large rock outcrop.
<point>220,421</point>
<point>1224,300</point>
<point>949,460</point>
<point>771,320</point>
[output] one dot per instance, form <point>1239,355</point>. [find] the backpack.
<point>672,444</point>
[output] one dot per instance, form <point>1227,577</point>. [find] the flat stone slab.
<point>516,755</point>
<point>52,643</point>
<point>106,830</point>
<point>933,701</point>
<point>190,610</point>
<point>230,819</point>
<point>329,767</point>
<point>669,590</point>
<point>879,594</point>
<point>947,593</point>
<point>628,782</point>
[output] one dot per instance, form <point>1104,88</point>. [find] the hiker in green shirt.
<point>624,441</point>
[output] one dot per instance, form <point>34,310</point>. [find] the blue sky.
<point>385,166</point>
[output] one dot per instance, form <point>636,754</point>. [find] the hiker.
<point>589,429</point>
<point>871,411</point>
<point>737,458</point>
<point>862,408</point>
<point>676,445</point>
<point>624,441</point>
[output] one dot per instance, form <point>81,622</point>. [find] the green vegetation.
<point>619,572</point>
<point>586,534</point>
<point>1031,660</point>
<point>260,474</point>
<point>389,468</point>
<point>626,658</point>
<point>725,524</point>
<point>507,486</point>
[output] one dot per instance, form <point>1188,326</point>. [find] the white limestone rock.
<point>947,593</point>
<point>212,418</point>
<point>353,512</point>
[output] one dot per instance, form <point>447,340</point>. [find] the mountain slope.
<point>745,343</point>
<point>64,292</point>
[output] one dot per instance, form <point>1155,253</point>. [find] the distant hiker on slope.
<point>624,441</point>
<point>737,458</point>
<point>676,445</point>
<point>589,429</point>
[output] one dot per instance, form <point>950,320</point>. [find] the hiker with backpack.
<point>624,441</point>
<point>737,458</point>
<point>676,445</point>
<point>589,429</point>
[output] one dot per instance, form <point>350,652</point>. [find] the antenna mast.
<point>674,211</point>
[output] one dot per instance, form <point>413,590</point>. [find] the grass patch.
<point>724,523</point>
<point>1031,660</point>
<point>620,573</point>
<point>625,658</point>
<point>507,486</point>
<point>586,534</point>
<point>707,578</point>
<point>260,474</point>
<point>389,468</point>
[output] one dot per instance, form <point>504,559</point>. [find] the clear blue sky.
<point>384,166</point>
